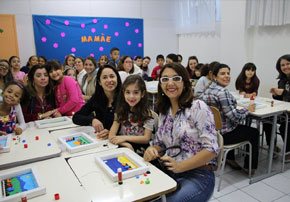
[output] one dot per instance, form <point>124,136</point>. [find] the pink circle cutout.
<point>92,54</point>
<point>83,25</point>
<point>129,43</point>
<point>55,45</point>
<point>136,31</point>
<point>62,34</point>
<point>43,39</point>
<point>116,33</point>
<point>66,22</point>
<point>101,48</point>
<point>93,30</point>
<point>95,21</point>
<point>127,24</point>
<point>73,49</point>
<point>105,26</point>
<point>47,21</point>
<point>139,45</point>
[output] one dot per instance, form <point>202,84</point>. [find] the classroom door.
<point>8,36</point>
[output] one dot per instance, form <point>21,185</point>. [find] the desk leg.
<point>270,155</point>
<point>163,198</point>
<point>285,141</point>
<point>273,135</point>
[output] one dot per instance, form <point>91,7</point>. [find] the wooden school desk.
<point>102,189</point>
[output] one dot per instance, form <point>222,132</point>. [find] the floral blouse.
<point>193,130</point>
<point>135,128</point>
<point>8,122</point>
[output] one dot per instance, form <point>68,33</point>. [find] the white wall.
<point>235,45</point>
<point>159,34</point>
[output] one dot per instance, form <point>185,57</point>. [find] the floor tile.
<point>237,196</point>
<point>279,182</point>
<point>262,192</point>
<point>283,199</point>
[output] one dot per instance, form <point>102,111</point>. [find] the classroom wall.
<point>159,34</point>
<point>235,45</point>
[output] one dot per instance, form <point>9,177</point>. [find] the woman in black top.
<point>99,110</point>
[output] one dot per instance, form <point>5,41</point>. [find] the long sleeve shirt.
<point>68,96</point>
<point>221,98</point>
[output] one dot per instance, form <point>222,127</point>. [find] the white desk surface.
<point>152,86</point>
<point>57,177</point>
<point>37,149</point>
<point>104,144</point>
<point>101,188</point>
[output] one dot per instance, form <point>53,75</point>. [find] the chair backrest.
<point>155,126</point>
<point>221,153</point>
<point>217,118</point>
<point>218,126</point>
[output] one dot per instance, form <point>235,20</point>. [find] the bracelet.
<point>39,116</point>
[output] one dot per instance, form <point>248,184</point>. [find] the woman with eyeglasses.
<point>126,67</point>
<point>189,123</point>
<point>5,75</point>
<point>232,131</point>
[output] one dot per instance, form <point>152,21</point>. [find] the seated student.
<point>126,68</point>
<point>115,55</point>
<point>281,93</point>
<point>10,109</point>
<point>88,85</point>
<point>133,116</point>
<point>102,103</point>
<point>179,59</point>
<point>191,67</point>
<point>102,61</point>
<point>206,79</point>
<point>39,101</point>
<point>232,131</point>
<point>138,61</point>
<point>33,60</point>
<point>5,75</point>
<point>79,63</point>
<point>247,82</point>
<point>70,72</point>
<point>68,95</point>
<point>170,58</point>
<point>156,71</point>
<point>187,123</point>
<point>145,68</point>
<point>18,75</point>
<point>69,62</point>
<point>42,60</point>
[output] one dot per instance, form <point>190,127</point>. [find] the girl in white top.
<point>126,67</point>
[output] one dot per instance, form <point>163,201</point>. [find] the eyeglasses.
<point>167,79</point>
<point>128,62</point>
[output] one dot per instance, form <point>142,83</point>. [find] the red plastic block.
<point>36,138</point>
<point>56,196</point>
<point>25,145</point>
<point>23,199</point>
<point>14,138</point>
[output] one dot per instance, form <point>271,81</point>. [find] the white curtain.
<point>195,16</point>
<point>267,12</point>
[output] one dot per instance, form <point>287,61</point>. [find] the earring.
<point>162,94</point>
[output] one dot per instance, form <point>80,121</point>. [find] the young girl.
<point>15,64</point>
<point>103,60</point>
<point>247,82</point>
<point>33,60</point>
<point>126,67</point>
<point>70,72</point>
<point>69,62</point>
<point>205,80</point>
<point>133,116</point>
<point>79,63</point>
<point>68,96</point>
<point>10,109</point>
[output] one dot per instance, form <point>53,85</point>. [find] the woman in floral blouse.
<point>189,124</point>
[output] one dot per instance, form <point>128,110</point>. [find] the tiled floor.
<point>235,185</point>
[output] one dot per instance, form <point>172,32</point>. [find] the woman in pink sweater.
<point>68,96</point>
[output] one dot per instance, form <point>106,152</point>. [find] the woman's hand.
<point>276,91</point>
<point>171,164</point>
<point>97,125</point>
<point>251,107</point>
<point>118,139</point>
<point>18,131</point>
<point>3,133</point>
<point>104,134</point>
<point>150,154</point>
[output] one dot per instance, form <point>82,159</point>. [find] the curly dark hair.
<point>141,111</point>
<point>185,100</point>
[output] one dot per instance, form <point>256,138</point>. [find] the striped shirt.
<point>221,98</point>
